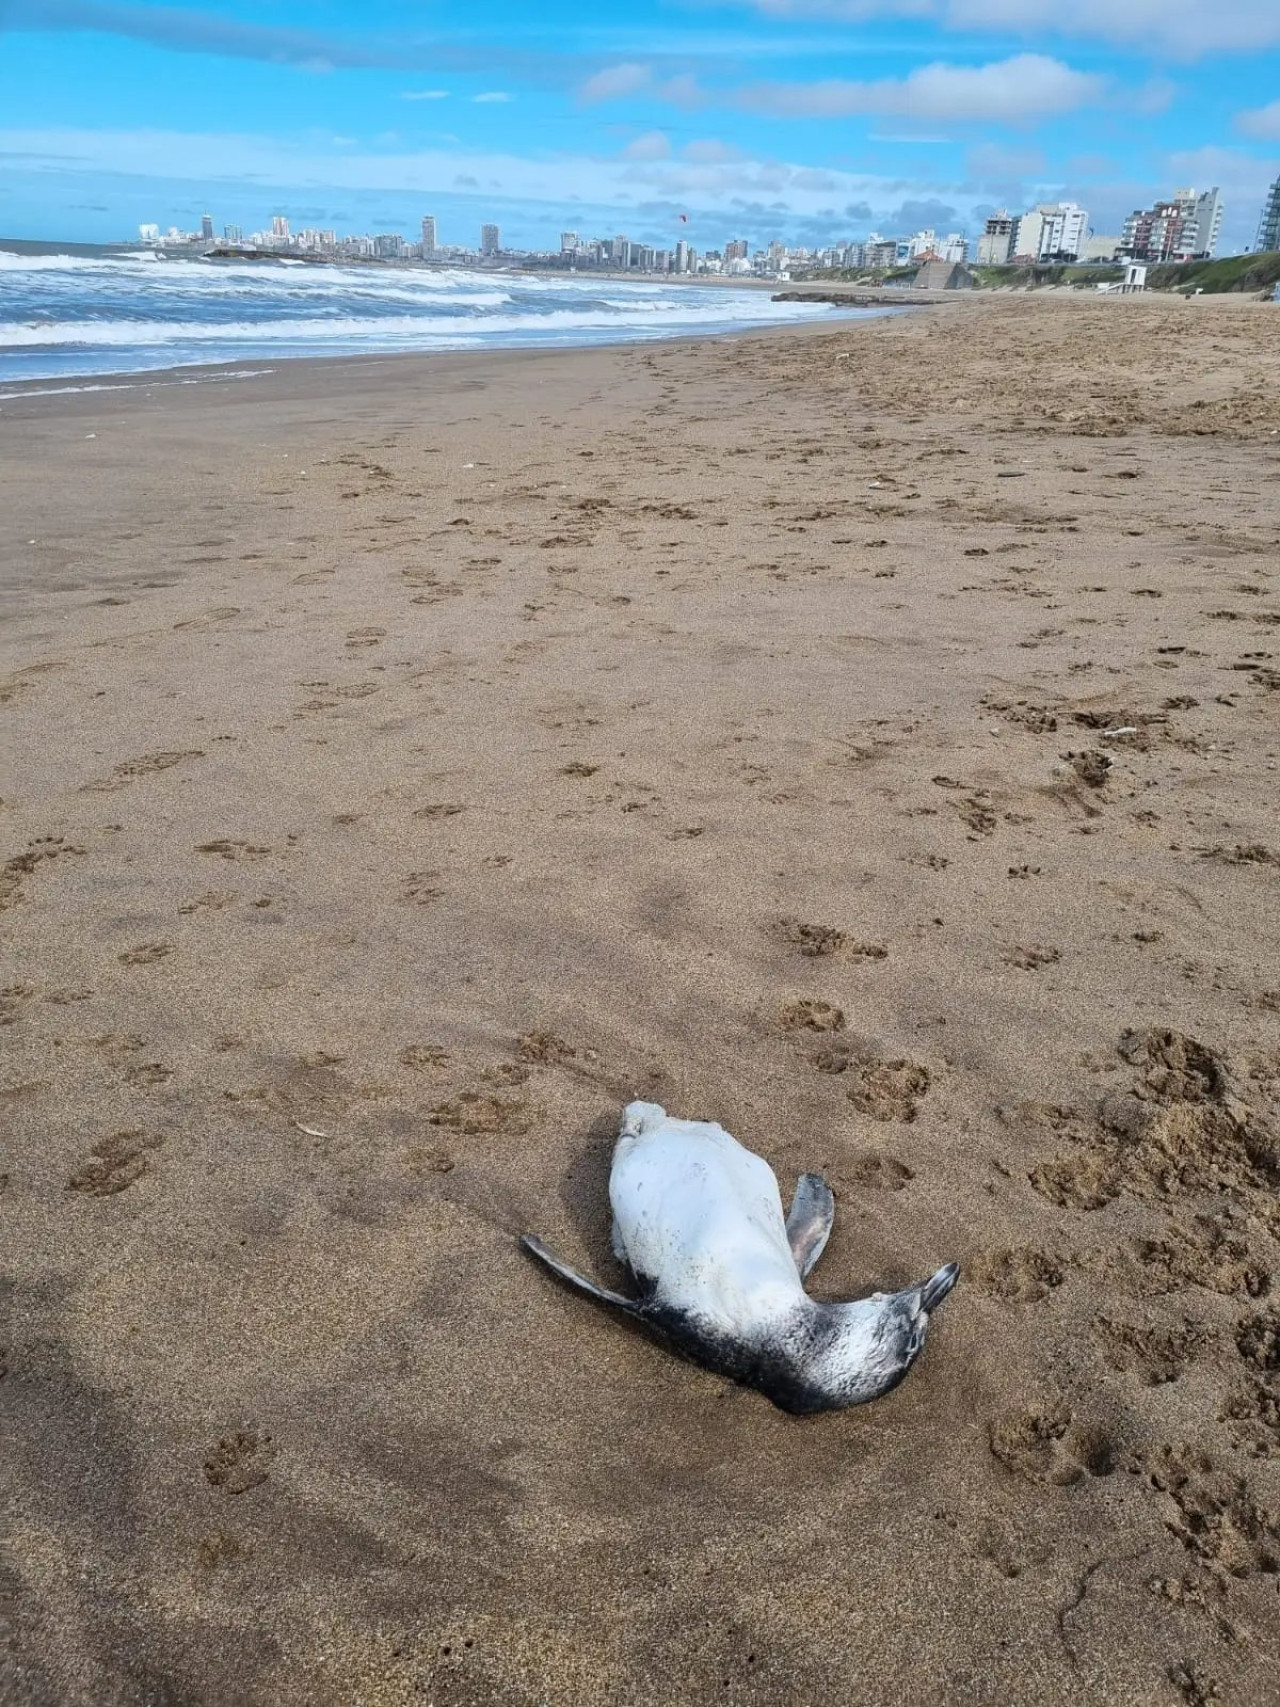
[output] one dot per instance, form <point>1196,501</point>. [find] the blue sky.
<point>806,119</point>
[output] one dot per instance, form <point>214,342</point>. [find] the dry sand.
<point>411,760</point>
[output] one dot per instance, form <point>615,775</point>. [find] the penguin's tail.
<point>935,1289</point>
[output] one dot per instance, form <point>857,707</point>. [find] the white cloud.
<point>491,97</point>
<point>682,91</point>
<point>989,160</point>
<point>653,145</point>
<point>1261,122</point>
<point>1011,91</point>
<point>710,152</point>
<point>1186,28</point>
<point>1156,95</point>
<point>425,95</point>
<point>619,81</point>
<point>615,82</point>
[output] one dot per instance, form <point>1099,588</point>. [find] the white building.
<point>149,233</point>
<point>490,240</point>
<point>1203,225</point>
<point>1050,231</point>
<point>568,242</point>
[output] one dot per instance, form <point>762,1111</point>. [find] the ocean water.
<point>75,316</point>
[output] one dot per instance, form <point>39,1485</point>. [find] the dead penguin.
<point>698,1221</point>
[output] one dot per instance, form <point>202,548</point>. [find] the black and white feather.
<point>698,1220</point>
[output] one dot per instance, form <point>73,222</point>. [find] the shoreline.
<point>408,763</point>
<point>15,390</point>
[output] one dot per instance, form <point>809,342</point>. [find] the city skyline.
<point>1183,226</point>
<point>817,116</point>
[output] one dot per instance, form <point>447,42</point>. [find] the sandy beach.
<point>865,736</point>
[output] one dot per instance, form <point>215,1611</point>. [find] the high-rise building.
<point>681,264</point>
<point>735,250</point>
<point>232,234</point>
<point>996,243</point>
<point>388,246</point>
<point>428,236</point>
<point>1186,226</point>
<point>1053,231</point>
<point>1208,219</point>
<point>1269,224</point>
<point>490,240</point>
<point>568,242</point>
<point>280,228</point>
<point>206,228</point>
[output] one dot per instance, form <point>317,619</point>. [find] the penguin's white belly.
<point>699,1219</point>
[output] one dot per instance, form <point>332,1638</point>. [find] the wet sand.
<point>867,738</point>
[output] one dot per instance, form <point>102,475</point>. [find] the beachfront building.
<point>490,240</point>
<point>1269,224</point>
<point>1053,231</point>
<point>880,254</point>
<point>232,234</point>
<point>568,242</point>
<point>996,243</point>
<point>279,228</point>
<point>1184,228</point>
<point>428,236</point>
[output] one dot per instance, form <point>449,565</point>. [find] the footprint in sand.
<point>239,1462</point>
<point>150,764</point>
<point>1089,1180</point>
<point>424,1057</point>
<point>1212,1512</point>
<point>1019,1274</point>
<point>20,866</point>
<point>146,1075</point>
<point>145,954</point>
<point>1156,1355</point>
<point>816,942</point>
<point>117,1163</point>
<point>1049,1445</point>
<point>875,1172</point>
<point>885,1090</point>
<point>807,1013</point>
<point>475,1114</point>
<point>227,849</point>
<point>1032,958</point>
<point>213,900</point>
<point>544,1048</point>
<point>422,887</point>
